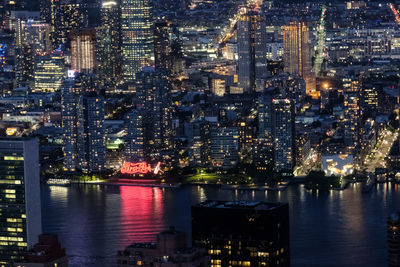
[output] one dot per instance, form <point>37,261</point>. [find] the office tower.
<point>152,93</point>
<point>20,198</point>
<point>137,36</point>
<point>91,134</point>
<point>109,43</point>
<point>282,131</point>
<point>170,249</point>
<point>66,15</point>
<point>369,102</point>
<point>297,53</point>
<point>393,239</point>
<point>224,146</point>
<point>83,58</point>
<point>252,63</point>
<point>242,233</point>
<point>199,139</point>
<point>35,33</point>
<point>352,112</point>
<point>82,123</point>
<point>45,10</point>
<point>134,148</point>
<point>47,252</point>
<point>49,71</point>
<point>162,45</point>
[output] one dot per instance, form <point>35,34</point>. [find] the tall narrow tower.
<point>297,50</point>
<point>137,36</point>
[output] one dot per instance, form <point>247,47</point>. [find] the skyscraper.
<point>297,53</point>
<point>109,43</point>
<point>393,239</point>
<point>352,112</point>
<point>82,122</point>
<point>83,57</point>
<point>224,146</point>
<point>264,149</point>
<point>282,127</point>
<point>49,71</point>
<point>66,15</point>
<point>134,148</point>
<point>252,64</point>
<point>137,30</point>
<point>20,218</point>
<point>152,91</point>
<point>242,233</point>
<point>162,45</point>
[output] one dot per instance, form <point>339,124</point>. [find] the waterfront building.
<point>242,233</point>
<point>83,57</point>
<point>135,139</point>
<point>170,249</point>
<point>297,53</point>
<point>199,139</point>
<point>252,62</point>
<point>224,146</point>
<point>46,253</point>
<point>393,239</point>
<point>21,221</point>
<point>49,70</point>
<point>137,30</point>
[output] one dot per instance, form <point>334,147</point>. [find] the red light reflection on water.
<point>142,212</point>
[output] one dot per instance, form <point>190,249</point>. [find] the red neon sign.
<point>139,168</point>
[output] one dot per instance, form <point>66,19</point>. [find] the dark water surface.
<point>340,228</point>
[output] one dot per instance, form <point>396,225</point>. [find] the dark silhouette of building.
<point>169,250</point>
<point>393,236</point>
<point>242,233</point>
<point>46,253</point>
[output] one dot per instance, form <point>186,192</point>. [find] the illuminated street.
<point>377,157</point>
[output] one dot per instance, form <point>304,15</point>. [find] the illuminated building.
<point>218,87</point>
<point>69,106</point>
<point>20,198</point>
<point>46,253</point>
<point>282,131</point>
<point>82,123</point>
<point>264,149</point>
<point>91,137</point>
<point>297,58</point>
<point>24,65</point>
<point>199,140</point>
<point>35,33</point>
<point>242,233</point>
<point>338,165</point>
<point>152,93</point>
<point>137,36</point>
<point>134,148</point>
<point>224,146</point>
<point>170,249</point>
<point>109,43</point>
<point>352,112</point>
<point>162,45</point>
<point>369,99</point>
<point>252,63</point>
<point>66,15</point>
<point>393,239</point>
<point>49,71</point>
<point>83,58</point>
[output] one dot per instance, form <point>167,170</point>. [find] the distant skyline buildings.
<point>137,29</point>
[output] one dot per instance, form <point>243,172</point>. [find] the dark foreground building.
<point>393,235</point>
<point>46,253</point>
<point>242,233</point>
<point>170,250</point>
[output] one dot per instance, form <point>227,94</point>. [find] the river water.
<point>338,228</point>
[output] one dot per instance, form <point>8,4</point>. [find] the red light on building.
<point>139,168</point>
